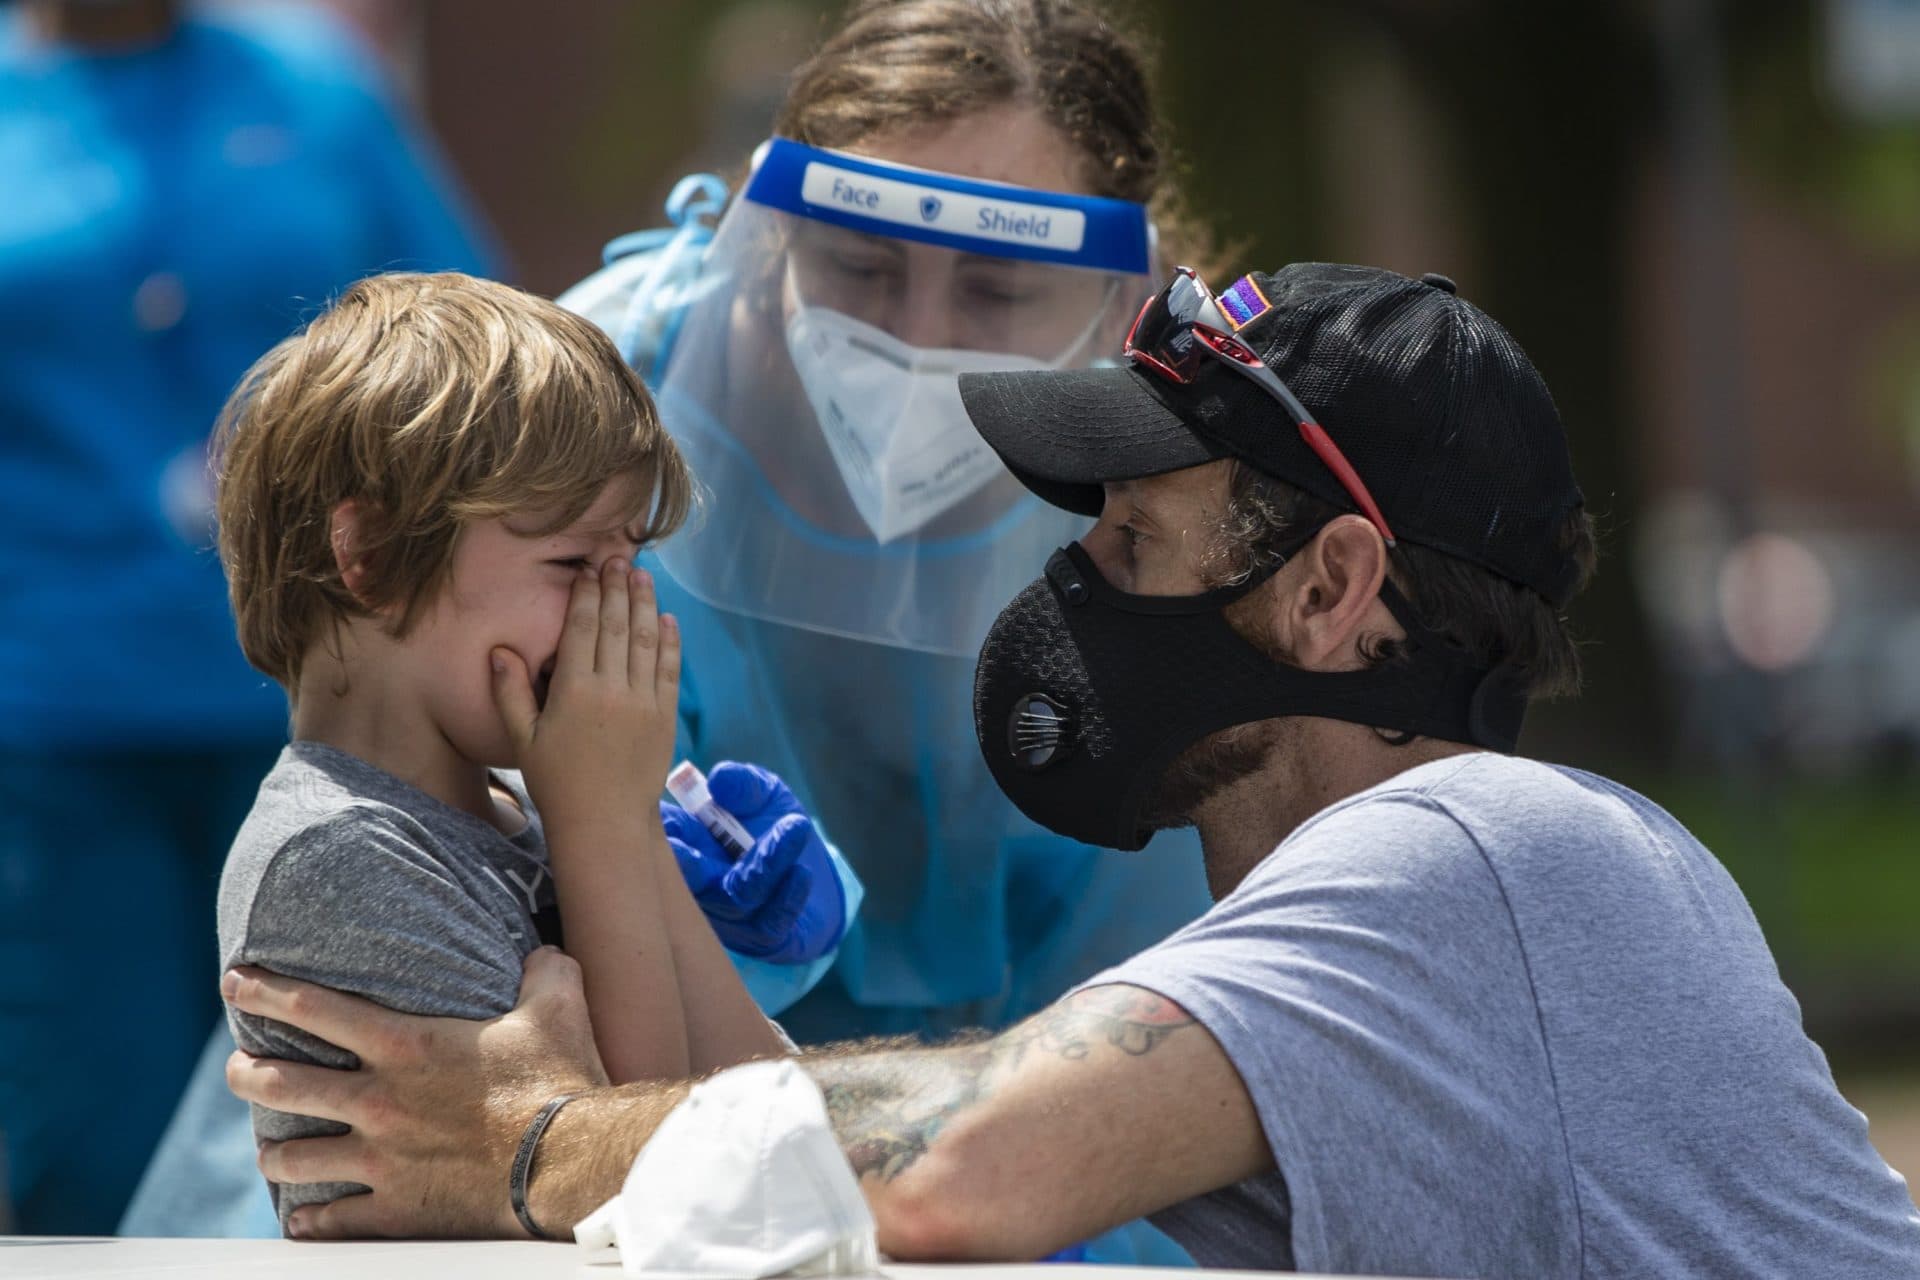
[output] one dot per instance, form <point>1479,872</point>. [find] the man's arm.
<point>1110,1104</point>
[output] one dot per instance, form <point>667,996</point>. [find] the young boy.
<point>430,501</point>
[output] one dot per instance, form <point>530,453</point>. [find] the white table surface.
<point>33,1257</point>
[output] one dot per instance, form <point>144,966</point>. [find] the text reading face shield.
<point>814,389</point>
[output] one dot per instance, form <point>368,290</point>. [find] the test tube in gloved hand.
<point>688,787</point>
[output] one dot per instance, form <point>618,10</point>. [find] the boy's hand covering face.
<point>601,741</point>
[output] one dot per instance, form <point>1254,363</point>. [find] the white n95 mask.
<point>892,418</point>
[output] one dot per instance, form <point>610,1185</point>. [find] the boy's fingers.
<point>513,695</point>
<point>645,622</point>
<point>581,633</point>
<point>666,675</point>
<point>612,658</point>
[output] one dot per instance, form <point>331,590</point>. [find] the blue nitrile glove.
<point>782,901</point>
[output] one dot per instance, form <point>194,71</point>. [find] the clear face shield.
<point>813,385</point>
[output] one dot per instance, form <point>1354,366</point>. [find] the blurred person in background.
<point>953,185</point>
<point>181,188</point>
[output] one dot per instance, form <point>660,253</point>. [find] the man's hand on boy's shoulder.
<point>598,750</point>
<point>437,1105</point>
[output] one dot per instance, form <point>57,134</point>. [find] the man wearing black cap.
<point>1454,1013</point>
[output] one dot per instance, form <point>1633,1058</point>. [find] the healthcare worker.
<point>953,186</point>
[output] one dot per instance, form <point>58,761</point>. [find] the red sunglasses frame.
<point>1237,355</point>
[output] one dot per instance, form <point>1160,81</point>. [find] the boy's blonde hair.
<point>431,401</point>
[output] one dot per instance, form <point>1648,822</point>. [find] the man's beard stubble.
<point>1207,767</point>
<point>1223,757</point>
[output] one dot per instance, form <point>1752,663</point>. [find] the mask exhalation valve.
<point>1039,731</point>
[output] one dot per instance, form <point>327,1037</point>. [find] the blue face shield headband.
<point>990,219</point>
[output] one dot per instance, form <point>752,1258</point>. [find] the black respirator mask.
<point>1085,694</point>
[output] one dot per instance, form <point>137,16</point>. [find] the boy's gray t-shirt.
<point>345,875</point>
<point>1501,1018</point>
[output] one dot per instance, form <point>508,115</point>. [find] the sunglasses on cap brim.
<point>1182,328</point>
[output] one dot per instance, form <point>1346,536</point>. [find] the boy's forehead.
<point>617,510</point>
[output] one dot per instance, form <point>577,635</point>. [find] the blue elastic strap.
<point>657,305</point>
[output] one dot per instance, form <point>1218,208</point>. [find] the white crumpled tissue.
<point>743,1179</point>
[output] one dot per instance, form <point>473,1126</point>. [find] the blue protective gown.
<point>974,916</point>
<point>167,214</point>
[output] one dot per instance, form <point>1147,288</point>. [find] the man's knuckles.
<point>248,991</point>
<point>555,1016</point>
<point>301,1005</point>
<point>238,1065</point>
<point>348,1218</point>
<point>400,1046</point>
<point>309,1160</point>
<point>260,1080</point>
<point>376,1115</point>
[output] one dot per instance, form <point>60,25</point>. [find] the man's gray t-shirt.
<point>1501,1018</point>
<point>344,875</point>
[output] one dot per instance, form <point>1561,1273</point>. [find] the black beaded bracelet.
<point>523,1165</point>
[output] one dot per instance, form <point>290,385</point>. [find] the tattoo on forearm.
<point>889,1108</point>
<point>1131,1020</point>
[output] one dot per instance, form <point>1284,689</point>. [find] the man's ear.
<point>345,532</point>
<point>1327,601</point>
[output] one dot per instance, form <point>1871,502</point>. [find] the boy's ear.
<point>344,531</point>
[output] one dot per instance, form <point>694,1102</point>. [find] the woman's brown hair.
<point>899,64</point>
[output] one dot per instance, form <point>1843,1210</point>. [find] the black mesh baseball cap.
<point>1433,403</point>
